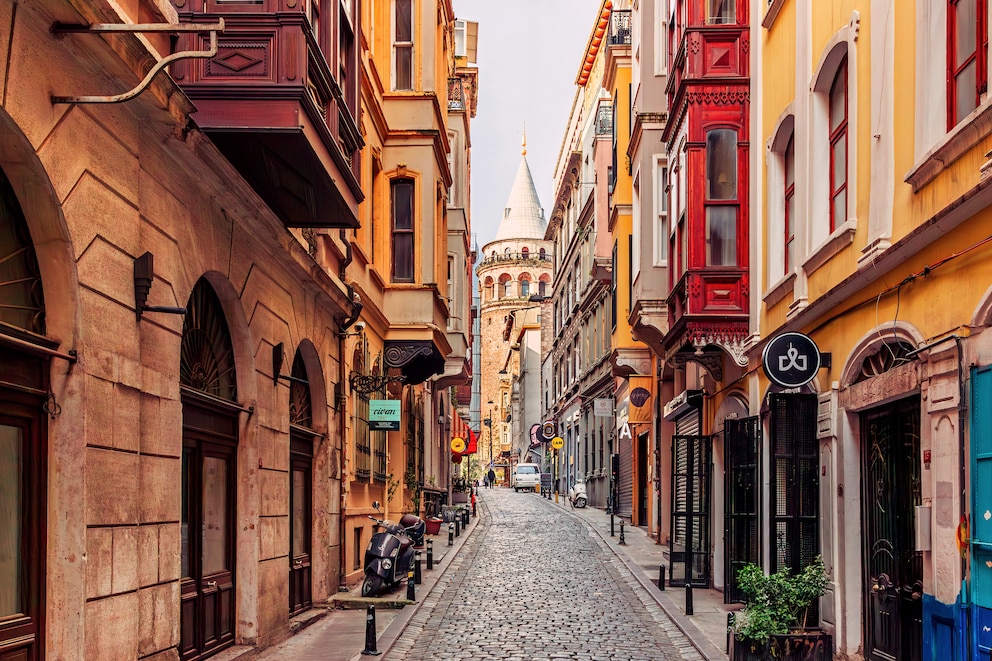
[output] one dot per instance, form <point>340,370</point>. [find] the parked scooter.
<point>577,494</point>
<point>390,553</point>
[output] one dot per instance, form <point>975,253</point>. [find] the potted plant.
<point>774,621</point>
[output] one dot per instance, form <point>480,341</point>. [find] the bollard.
<point>465,518</point>
<point>661,577</point>
<point>473,509</point>
<point>430,554</point>
<point>451,534</point>
<point>730,630</point>
<point>622,541</point>
<point>612,533</point>
<point>416,569</point>
<point>458,525</point>
<point>410,586</point>
<point>688,598</point>
<point>370,649</point>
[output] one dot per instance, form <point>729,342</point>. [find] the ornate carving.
<point>400,355</point>
<point>694,43</point>
<point>237,58</point>
<point>745,43</point>
<point>695,285</point>
<point>722,98</point>
<point>855,24</point>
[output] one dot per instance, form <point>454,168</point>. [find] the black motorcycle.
<point>390,553</point>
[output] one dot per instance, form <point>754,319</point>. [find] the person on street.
<point>492,477</point>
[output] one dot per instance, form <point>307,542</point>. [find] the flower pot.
<point>810,645</point>
<point>433,525</point>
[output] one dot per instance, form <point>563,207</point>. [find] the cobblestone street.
<point>534,582</point>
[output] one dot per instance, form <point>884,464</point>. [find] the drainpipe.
<point>961,477</point>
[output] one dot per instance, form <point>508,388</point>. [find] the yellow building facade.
<point>872,237</point>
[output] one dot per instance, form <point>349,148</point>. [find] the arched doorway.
<point>210,440</point>
<point>23,436</point>
<point>301,440</point>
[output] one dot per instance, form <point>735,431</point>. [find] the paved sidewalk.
<point>340,635</point>
<point>707,627</point>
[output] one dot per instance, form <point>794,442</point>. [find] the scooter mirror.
<point>375,505</point>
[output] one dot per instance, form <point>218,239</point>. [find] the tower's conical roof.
<point>523,217</point>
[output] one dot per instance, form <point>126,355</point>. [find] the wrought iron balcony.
<point>516,257</point>
<point>272,105</point>
<point>619,34</point>
<point>456,94</point>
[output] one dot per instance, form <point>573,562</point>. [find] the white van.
<point>526,476</point>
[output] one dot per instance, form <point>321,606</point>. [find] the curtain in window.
<point>403,243</point>
<point>838,148</point>
<point>403,44</point>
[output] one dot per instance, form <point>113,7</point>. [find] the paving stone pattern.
<point>534,582</point>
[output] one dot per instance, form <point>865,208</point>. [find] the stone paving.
<point>533,584</point>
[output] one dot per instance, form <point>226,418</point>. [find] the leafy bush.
<point>778,603</point>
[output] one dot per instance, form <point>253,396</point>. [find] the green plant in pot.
<point>774,623</point>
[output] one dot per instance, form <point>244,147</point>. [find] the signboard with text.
<point>384,415</point>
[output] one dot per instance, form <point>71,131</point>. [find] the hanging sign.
<point>557,442</point>
<point>384,415</point>
<point>458,444</point>
<point>791,360</point>
<point>602,407</point>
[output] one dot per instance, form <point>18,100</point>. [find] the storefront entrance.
<point>893,569</point>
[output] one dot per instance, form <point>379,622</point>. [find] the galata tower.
<point>516,271</point>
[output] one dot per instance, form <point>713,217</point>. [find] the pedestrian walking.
<point>492,477</point>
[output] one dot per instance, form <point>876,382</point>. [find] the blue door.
<point>981,507</point>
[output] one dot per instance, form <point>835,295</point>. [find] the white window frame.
<point>659,175</point>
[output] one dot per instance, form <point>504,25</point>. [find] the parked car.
<point>526,476</point>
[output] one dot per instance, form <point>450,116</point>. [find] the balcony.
<point>619,34</point>
<point>506,258</point>
<point>269,102</point>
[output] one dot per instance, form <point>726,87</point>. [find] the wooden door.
<point>208,543</point>
<point>300,524</point>
<point>22,527</point>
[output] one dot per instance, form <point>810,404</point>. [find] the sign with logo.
<point>557,442</point>
<point>640,399</point>
<point>384,415</point>
<point>602,407</point>
<point>791,360</point>
<point>458,444</point>
<point>624,433</point>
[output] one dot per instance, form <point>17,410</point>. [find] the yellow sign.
<point>557,442</point>
<point>458,444</point>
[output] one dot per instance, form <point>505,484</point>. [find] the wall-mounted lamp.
<point>277,361</point>
<point>144,273</point>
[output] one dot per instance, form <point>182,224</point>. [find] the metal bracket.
<point>96,28</point>
<point>144,274</point>
<point>366,384</point>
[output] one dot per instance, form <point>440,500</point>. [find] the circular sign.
<point>791,360</point>
<point>557,442</point>
<point>458,444</point>
<point>548,430</point>
<point>456,458</point>
<point>639,396</point>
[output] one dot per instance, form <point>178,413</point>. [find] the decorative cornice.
<point>630,360</point>
<point>722,98</point>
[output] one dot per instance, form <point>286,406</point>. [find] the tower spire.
<point>524,152</point>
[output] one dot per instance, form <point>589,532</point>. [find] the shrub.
<point>778,603</point>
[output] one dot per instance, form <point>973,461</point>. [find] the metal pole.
<point>451,533</point>
<point>430,554</point>
<point>370,649</point>
<point>411,593</point>
<point>661,575</point>
<point>623,540</point>
<point>416,569</point>
<point>688,599</point>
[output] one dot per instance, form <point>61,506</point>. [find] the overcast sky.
<point>529,54</point>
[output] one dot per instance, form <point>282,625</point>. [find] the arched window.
<point>541,254</point>
<point>524,252</point>
<point>508,289</point>
<point>542,288</point>
<point>524,288</point>
<point>838,147</point>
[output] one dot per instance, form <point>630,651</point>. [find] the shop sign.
<point>602,407</point>
<point>384,415</point>
<point>791,360</point>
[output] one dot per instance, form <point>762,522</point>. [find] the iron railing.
<point>619,27</point>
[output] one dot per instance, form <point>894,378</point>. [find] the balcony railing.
<point>456,94</point>
<point>619,28</point>
<point>517,257</point>
<point>604,120</point>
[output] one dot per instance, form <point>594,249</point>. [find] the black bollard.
<point>410,586</point>
<point>622,539</point>
<point>451,534</point>
<point>612,534</point>
<point>416,568</point>
<point>430,554</point>
<point>458,525</point>
<point>730,630</point>
<point>370,649</point>
<point>473,509</point>
<point>661,577</point>
<point>465,518</point>
<point>688,598</point>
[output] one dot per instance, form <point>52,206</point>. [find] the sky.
<point>529,54</point>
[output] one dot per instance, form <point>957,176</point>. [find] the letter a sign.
<point>791,360</point>
<point>624,432</point>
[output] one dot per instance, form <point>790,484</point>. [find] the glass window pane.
<point>721,11</point>
<point>966,28</point>
<point>402,205</point>
<point>403,256</point>
<point>721,236</point>
<point>299,516</point>
<point>790,162</point>
<point>838,176</point>
<point>524,288</point>
<point>404,68</point>
<point>790,229</point>
<point>215,521</point>
<point>404,20</point>
<point>184,527</point>
<point>838,98</point>
<point>721,164</point>
<point>966,96</point>
<point>11,466</point>
<point>839,209</point>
